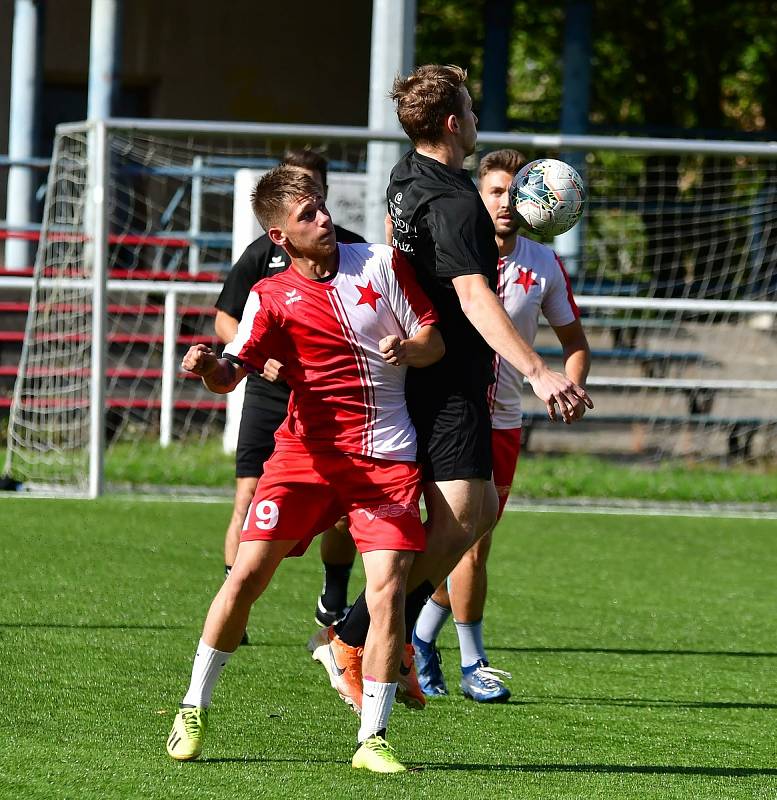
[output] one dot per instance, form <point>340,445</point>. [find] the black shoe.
<point>324,617</point>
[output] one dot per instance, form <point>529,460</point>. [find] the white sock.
<point>471,642</point>
<point>377,700</point>
<point>430,621</point>
<point>206,669</point>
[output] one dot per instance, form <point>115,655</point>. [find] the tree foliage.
<point>660,66</point>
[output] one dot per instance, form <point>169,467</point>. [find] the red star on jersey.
<point>368,295</point>
<point>526,279</point>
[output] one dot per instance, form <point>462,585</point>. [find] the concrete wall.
<point>234,60</point>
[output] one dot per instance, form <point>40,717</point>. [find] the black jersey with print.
<point>443,228</point>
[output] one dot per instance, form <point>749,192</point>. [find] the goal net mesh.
<point>672,383</point>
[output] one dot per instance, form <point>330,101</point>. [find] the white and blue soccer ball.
<point>548,195</point>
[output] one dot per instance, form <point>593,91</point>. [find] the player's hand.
<point>393,350</point>
<point>200,360</point>
<point>272,370</point>
<point>563,398</point>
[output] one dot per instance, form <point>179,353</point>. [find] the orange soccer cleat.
<point>343,665</point>
<point>408,689</point>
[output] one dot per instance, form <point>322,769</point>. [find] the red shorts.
<point>506,446</point>
<point>301,494</point>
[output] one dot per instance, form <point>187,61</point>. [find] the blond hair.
<point>277,190</point>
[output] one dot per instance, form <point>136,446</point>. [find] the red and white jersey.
<point>531,279</point>
<point>326,334</point>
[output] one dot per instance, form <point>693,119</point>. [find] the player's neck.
<point>444,152</point>
<point>506,244</point>
<point>316,269</point>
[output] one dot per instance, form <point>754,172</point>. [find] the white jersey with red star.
<point>532,279</point>
<point>326,334</point>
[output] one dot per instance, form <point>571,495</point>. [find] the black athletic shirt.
<point>261,259</point>
<point>443,228</point>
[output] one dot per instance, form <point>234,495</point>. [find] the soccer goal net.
<point>674,266</point>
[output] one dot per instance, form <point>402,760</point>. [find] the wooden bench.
<point>741,430</point>
<point>653,363</point>
<point>626,330</point>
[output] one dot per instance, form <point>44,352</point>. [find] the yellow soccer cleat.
<point>376,755</point>
<point>185,740</point>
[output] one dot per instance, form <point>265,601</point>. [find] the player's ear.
<point>277,236</point>
<point>452,124</point>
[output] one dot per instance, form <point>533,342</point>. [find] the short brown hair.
<point>426,98</point>
<point>500,160</point>
<point>275,192</point>
<point>307,158</point>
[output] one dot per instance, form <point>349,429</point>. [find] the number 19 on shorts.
<point>265,514</point>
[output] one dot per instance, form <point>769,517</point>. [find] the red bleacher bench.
<point>121,275</point>
<point>114,338</point>
<point>123,373</point>
<point>120,402</point>
<point>10,307</point>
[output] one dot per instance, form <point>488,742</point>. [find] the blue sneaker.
<point>483,684</point>
<point>427,665</point>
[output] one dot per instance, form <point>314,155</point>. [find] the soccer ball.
<point>548,196</point>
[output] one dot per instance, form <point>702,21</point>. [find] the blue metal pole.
<point>393,24</point>
<point>496,65</point>
<point>25,82</point>
<point>574,112</point>
<point>104,57</point>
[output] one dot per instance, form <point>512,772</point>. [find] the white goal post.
<point>675,269</point>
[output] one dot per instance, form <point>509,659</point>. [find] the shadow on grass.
<point>614,769</point>
<point>622,651</point>
<point>87,626</point>
<point>638,702</point>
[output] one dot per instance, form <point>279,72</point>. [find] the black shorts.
<point>256,438</point>
<point>454,435</point>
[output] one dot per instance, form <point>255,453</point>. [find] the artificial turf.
<point>643,652</point>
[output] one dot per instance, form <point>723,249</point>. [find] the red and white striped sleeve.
<point>257,335</point>
<point>558,304</point>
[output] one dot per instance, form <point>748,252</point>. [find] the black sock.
<point>334,595</point>
<point>414,602</point>
<point>381,733</point>
<point>353,629</point>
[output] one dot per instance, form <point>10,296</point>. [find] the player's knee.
<point>245,585</point>
<point>386,600</point>
<point>477,555</point>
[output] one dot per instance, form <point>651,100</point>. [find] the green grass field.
<point>539,476</point>
<point>643,650</point>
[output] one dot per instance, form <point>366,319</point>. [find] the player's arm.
<point>576,353</point>
<point>421,350</point>
<point>220,375</point>
<point>487,315</point>
<point>226,329</point>
<point>226,326</point>
<point>248,270</point>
